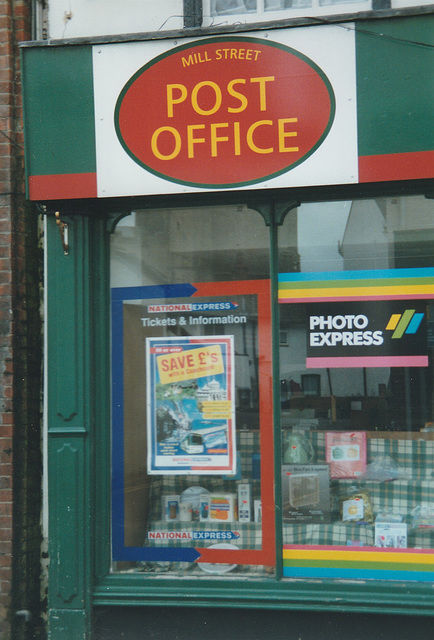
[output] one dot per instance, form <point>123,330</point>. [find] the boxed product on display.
<point>170,508</point>
<point>257,506</point>
<point>244,502</point>
<point>306,493</point>
<point>391,534</point>
<point>222,507</point>
<point>346,453</point>
<point>204,508</point>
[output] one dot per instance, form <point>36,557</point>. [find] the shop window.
<point>357,434</point>
<point>192,425</point>
<point>195,491</point>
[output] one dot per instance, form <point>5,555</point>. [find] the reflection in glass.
<point>240,7</point>
<point>365,424</point>
<point>228,7</point>
<point>184,248</point>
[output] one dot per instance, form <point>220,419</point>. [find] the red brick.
<point>6,522</point>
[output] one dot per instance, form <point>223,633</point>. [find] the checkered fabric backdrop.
<point>415,487</point>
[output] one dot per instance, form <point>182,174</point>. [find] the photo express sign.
<point>227,112</point>
<point>367,334</point>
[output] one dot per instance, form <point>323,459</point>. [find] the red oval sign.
<point>226,112</point>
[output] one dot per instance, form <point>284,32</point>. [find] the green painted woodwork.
<point>369,596</point>
<point>58,110</point>
<point>395,85</point>
<point>66,529</point>
<point>394,58</point>
<point>70,428</point>
<point>68,625</point>
<point>79,466</point>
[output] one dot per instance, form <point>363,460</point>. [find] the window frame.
<point>270,15</point>
<point>373,595</point>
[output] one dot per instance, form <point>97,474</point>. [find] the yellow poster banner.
<point>190,364</point>
<point>217,410</point>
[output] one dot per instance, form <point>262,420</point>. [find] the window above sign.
<point>103,18</point>
<point>266,10</point>
<point>231,11</point>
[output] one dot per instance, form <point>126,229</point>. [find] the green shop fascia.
<point>239,295</point>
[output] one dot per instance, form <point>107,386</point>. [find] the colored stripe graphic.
<point>366,361</point>
<point>403,323</point>
<point>58,187</point>
<point>365,562</point>
<point>385,284</point>
<point>396,166</point>
<point>415,323</point>
<point>408,322</point>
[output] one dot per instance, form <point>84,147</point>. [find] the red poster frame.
<point>266,555</point>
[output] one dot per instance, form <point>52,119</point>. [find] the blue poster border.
<point>119,550</point>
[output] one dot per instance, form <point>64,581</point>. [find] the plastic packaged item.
<point>387,515</point>
<point>194,496</point>
<point>346,453</point>
<point>422,517</point>
<point>383,469</point>
<point>356,507</point>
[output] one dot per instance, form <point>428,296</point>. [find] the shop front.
<point>240,286</point>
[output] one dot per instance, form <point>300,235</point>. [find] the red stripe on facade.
<point>65,186</point>
<point>416,165</point>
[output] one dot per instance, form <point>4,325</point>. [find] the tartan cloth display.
<point>347,534</point>
<point>247,445</point>
<point>414,459</point>
<point>331,534</point>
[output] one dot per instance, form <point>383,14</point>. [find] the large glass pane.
<point>357,395</point>
<point>192,427</point>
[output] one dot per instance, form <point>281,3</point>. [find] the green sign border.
<point>202,43</point>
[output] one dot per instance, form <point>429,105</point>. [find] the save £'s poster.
<point>190,405</point>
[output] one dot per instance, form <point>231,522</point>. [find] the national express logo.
<point>370,334</point>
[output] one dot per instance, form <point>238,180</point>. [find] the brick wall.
<point>20,350</point>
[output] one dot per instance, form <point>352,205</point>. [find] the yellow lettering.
<point>237,141</point>
<point>215,138</point>
<point>286,134</point>
<point>154,143</point>
<point>171,100</point>
<point>239,96</point>
<point>249,136</point>
<point>186,62</point>
<point>218,98</point>
<point>191,140</point>
<point>262,97</point>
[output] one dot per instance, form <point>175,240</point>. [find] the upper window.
<point>261,10</point>
<point>231,11</point>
